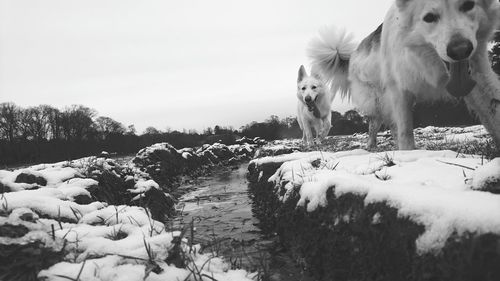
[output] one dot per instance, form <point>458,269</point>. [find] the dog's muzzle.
<point>311,106</point>
<point>461,82</point>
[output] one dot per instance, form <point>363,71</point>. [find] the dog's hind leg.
<point>327,125</point>
<point>402,117</point>
<point>394,133</point>
<point>373,127</point>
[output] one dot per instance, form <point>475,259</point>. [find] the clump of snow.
<point>487,176</point>
<point>431,188</point>
<point>50,202</point>
<point>142,186</point>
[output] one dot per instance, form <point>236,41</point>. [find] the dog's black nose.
<point>459,48</point>
<point>308,99</point>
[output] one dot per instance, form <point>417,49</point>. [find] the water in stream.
<point>221,211</point>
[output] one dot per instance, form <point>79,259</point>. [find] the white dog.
<point>314,106</point>
<point>425,50</point>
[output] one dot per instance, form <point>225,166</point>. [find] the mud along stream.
<point>220,209</point>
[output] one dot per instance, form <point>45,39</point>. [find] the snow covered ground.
<point>52,209</point>
<point>446,191</point>
<point>55,213</point>
<point>466,140</point>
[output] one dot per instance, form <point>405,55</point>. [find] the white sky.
<point>177,64</point>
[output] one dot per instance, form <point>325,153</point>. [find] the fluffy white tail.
<point>330,53</point>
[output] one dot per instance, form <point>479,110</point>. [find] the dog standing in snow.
<point>314,106</point>
<point>426,50</point>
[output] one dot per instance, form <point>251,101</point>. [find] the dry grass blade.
<point>458,165</point>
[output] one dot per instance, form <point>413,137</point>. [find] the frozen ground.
<point>446,191</point>
<point>466,140</point>
<point>50,220</point>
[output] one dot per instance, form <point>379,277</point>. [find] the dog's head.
<point>309,88</point>
<point>452,27</point>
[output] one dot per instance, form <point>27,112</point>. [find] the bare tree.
<point>151,131</point>
<point>107,126</point>
<point>36,122</point>
<point>55,123</point>
<point>131,130</point>
<point>77,122</point>
<point>9,121</point>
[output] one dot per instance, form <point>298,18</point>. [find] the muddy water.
<point>220,210</point>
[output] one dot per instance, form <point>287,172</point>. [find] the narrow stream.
<point>220,209</point>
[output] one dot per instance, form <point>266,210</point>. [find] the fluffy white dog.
<point>426,50</point>
<point>314,106</point>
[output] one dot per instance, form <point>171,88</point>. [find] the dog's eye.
<point>304,88</point>
<point>467,6</point>
<point>430,18</point>
<point>313,87</point>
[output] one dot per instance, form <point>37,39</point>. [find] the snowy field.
<point>427,214</point>
<point>55,225</point>
<point>448,192</point>
<point>57,222</point>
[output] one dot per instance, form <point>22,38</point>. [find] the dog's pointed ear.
<point>402,3</point>
<point>302,74</point>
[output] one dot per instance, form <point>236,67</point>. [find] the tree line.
<point>45,134</point>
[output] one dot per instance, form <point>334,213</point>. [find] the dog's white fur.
<point>313,87</point>
<point>403,63</point>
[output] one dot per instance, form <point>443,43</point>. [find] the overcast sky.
<point>177,64</point>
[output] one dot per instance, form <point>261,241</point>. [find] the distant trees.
<point>45,122</point>
<point>10,116</point>
<point>44,132</point>
<point>151,131</point>
<point>274,128</point>
<point>106,126</point>
<point>349,123</point>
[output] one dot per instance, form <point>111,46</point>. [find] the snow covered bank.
<point>96,219</point>
<point>165,164</point>
<point>395,215</point>
<point>466,140</point>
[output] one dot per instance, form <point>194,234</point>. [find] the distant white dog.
<point>425,50</point>
<point>314,106</point>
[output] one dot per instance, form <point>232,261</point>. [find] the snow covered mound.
<point>435,189</point>
<point>94,219</point>
<point>164,163</point>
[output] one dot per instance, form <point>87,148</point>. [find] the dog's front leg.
<point>402,117</point>
<point>308,134</point>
